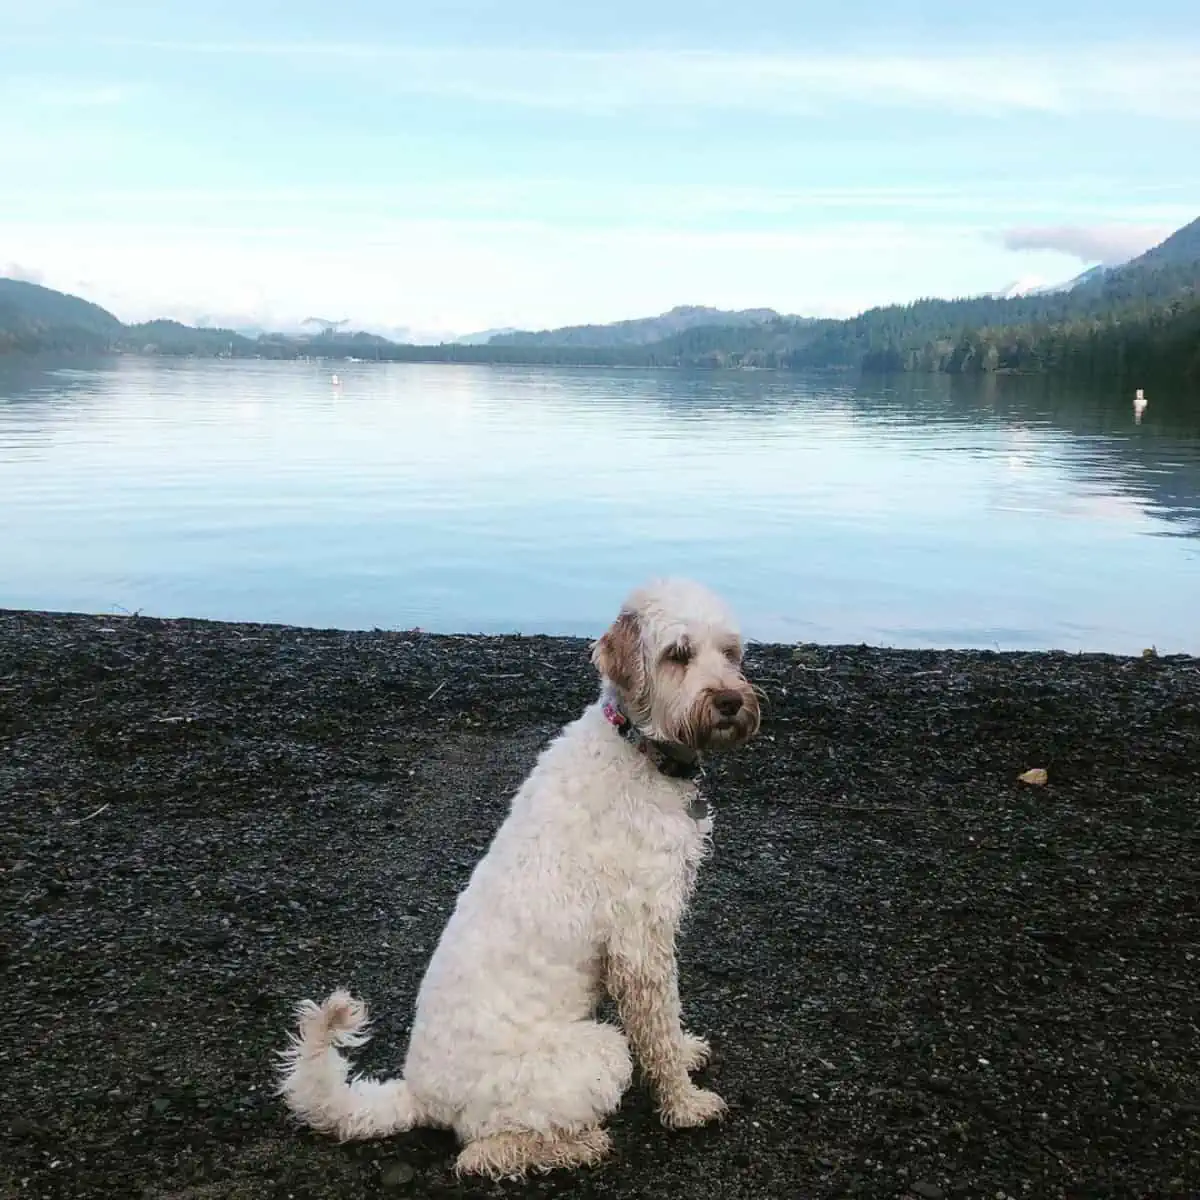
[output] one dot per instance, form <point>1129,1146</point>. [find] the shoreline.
<point>840,371</point>
<point>581,642</point>
<point>921,977</point>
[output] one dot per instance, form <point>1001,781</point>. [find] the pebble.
<point>926,1190</point>
<point>397,1175</point>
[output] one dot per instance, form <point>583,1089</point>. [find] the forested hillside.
<point>1142,319</point>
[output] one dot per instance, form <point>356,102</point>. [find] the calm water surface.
<point>925,512</point>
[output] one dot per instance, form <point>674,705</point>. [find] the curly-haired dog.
<point>581,892</point>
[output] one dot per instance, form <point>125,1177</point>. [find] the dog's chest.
<point>666,852</point>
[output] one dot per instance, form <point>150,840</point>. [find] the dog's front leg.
<point>644,982</point>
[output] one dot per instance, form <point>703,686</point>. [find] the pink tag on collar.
<point>613,715</point>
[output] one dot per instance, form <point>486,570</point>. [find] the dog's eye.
<point>679,655</point>
<point>734,654</point>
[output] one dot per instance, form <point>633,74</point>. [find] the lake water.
<point>921,512</point>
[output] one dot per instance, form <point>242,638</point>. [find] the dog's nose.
<point>728,703</point>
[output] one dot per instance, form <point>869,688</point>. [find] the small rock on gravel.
<point>397,1175</point>
<point>927,1191</point>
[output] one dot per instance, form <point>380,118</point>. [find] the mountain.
<point>324,324</point>
<point>643,331</point>
<point>32,316</point>
<point>258,326</point>
<point>1035,287</point>
<point>484,337</point>
<point>45,306</point>
<point>1091,275</point>
<point>1021,287</point>
<point>175,338</point>
<point>1180,249</point>
<point>1138,321</point>
<point>409,335</point>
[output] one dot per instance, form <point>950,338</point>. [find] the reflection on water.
<point>917,511</point>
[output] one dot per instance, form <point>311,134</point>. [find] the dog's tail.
<point>315,1082</point>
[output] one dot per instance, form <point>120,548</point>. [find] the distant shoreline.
<point>838,371</point>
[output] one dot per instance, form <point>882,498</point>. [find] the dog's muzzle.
<point>733,718</point>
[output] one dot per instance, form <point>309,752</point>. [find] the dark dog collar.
<point>676,762</point>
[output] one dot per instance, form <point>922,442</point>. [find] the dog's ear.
<point>617,654</point>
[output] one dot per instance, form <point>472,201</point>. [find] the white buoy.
<point>1139,405</point>
<point>336,381</point>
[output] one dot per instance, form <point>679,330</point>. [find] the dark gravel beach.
<point>921,976</point>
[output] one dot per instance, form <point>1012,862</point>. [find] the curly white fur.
<point>581,892</point>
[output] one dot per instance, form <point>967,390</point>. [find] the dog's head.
<point>674,654</point>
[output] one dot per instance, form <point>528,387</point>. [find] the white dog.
<point>582,891</point>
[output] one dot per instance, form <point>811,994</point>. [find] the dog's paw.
<point>696,1052</point>
<point>696,1106</point>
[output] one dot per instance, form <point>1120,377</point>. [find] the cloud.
<point>1081,80</point>
<point>1107,244</point>
<point>15,270</point>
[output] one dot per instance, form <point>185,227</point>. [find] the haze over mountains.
<point>1035,287</point>
<point>1146,311</point>
<point>643,331</point>
<point>638,331</point>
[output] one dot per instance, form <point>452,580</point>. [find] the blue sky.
<point>457,166</point>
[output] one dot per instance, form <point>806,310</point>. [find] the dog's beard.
<point>729,733</point>
<point>703,727</point>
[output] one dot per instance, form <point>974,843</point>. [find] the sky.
<point>441,168</point>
